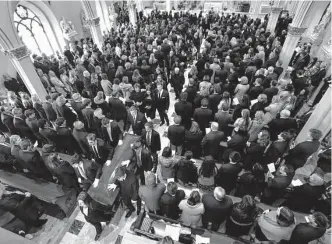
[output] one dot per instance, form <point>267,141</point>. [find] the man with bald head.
<point>284,123</point>
<point>211,141</point>
<point>177,81</point>
<point>217,207</point>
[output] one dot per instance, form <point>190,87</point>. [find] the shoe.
<point>129,213</point>
<point>97,236</point>
<point>40,222</point>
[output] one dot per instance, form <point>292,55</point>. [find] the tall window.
<point>31,31</point>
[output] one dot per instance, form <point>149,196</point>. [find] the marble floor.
<point>75,229</point>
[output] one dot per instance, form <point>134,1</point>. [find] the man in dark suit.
<point>162,103</point>
<point>284,123</point>
<point>177,81</point>
<point>169,202</point>
<point>33,160</point>
<point>86,171</point>
<point>32,123</point>
<point>136,120</point>
<point>151,140</point>
<point>260,105</point>
<point>77,105</point>
<point>176,135</point>
<point>49,110</point>
<point>256,90</point>
<point>91,213</point>
<point>217,207</point>
<point>118,110</point>
<point>215,98</point>
<point>87,113</point>
<point>66,142</point>
<point>272,90</point>
<point>111,132</point>
<point>80,135</point>
<point>277,184</point>
<point>21,126</point>
<point>99,151</point>
<point>47,132</point>
<point>7,119</point>
<point>203,116</point>
<point>191,90</point>
<point>128,184</point>
<point>184,109</point>
<point>141,160</point>
<point>223,118</point>
<point>299,155</point>
<point>211,141</point>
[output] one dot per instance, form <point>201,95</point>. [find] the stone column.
<point>132,13</point>
<point>139,4</point>
<point>168,5</point>
<point>20,58</point>
<point>273,18</point>
<point>95,29</point>
<point>293,36</point>
<point>319,119</point>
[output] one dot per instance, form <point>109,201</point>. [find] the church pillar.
<point>20,58</point>
<point>168,5</point>
<point>293,37</point>
<point>132,12</point>
<point>320,118</point>
<point>139,5</point>
<point>273,18</point>
<point>97,36</point>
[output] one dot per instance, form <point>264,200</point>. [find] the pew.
<point>46,191</point>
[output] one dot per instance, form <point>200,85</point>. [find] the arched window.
<point>31,31</point>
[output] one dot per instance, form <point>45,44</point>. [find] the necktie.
<point>109,130</point>
<point>148,139</point>
<point>160,94</point>
<point>139,161</point>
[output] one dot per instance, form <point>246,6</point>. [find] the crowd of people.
<point>236,113</point>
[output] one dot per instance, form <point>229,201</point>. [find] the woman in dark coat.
<point>63,171</point>
<point>138,96</point>
<point>242,217</point>
<point>193,139</point>
<point>149,103</point>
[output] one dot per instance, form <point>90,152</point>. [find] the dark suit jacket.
<point>66,140</point>
<point>67,114</point>
<point>279,125</point>
<point>105,152</point>
<point>80,137</point>
<point>203,116</point>
<point>50,135</point>
<point>23,128</point>
<point>185,110</point>
<point>216,211</point>
<point>137,125</point>
<point>128,187</point>
<point>169,205</point>
<point>7,119</point>
<point>118,109</point>
<point>40,110</point>
<point>146,160</point>
<point>78,107</point>
<point>227,175</point>
<point>224,119</point>
<point>277,186</point>
<point>317,77</point>
<point>49,111</point>
<point>35,163</point>
<point>92,170</point>
<point>87,114</point>
<point>211,143</point>
<point>214,101</point>
<point>162,102</point>
<point>116,134</point>
<point>305,233</point>
<point>192,92</point>
<point>298,156</point>
<point>176,134</point>
<point>155,141</point>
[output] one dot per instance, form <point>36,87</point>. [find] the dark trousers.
<point>214,226</point>
<point>97,226</point>
<point>140,175</point>
<point>163,115</point>
<point>177,90</point>
<point>129,204</point>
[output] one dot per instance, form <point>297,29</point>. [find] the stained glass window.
<point>31,31</point>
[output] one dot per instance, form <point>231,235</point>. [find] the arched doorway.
<point>38,28</point>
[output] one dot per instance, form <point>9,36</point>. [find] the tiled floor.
<point>75,229</point>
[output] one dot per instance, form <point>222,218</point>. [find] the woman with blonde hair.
<point>279,102</point>
<point>58,85</point>
<point>243,122</point>
<point>153,62</point>
<point>256,125</point>
<point>137,78</point>
<point>241,89</point>
<point>119,72</point>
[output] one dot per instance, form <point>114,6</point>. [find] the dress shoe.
<point>129,213</point>
<point>97,236</point>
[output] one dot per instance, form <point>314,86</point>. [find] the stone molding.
<point>276,10</point>
<point>18,53</point>
<point>296,31</point>
<point>93,21</point>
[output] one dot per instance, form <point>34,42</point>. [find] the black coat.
<point>216,211</point>
<point>128,187</point>
<point>49,111</point>
<point>298,156</point>
<point>66,141</point>
<point>67,114</point>
<point>146,160</point>
<point>214,101</point>
<point>192,142</point>
<point>138,124</point>
<point>169,204</point>
<point>8,120</point>
<point>50,135</point>
<point>104,152</point>
<point>203,116</point>
<point>23,129</point>
<point>227,176</point>
<point>185,110</point>
<point>192,92</point>
<point>118,109</point>
<point>155,141</point>
<point>162,102</point>
<point>279,125</point>
<point>211,143</point>
<point>176,135</point>
<point>115,133</point>
<point>305,233</point>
